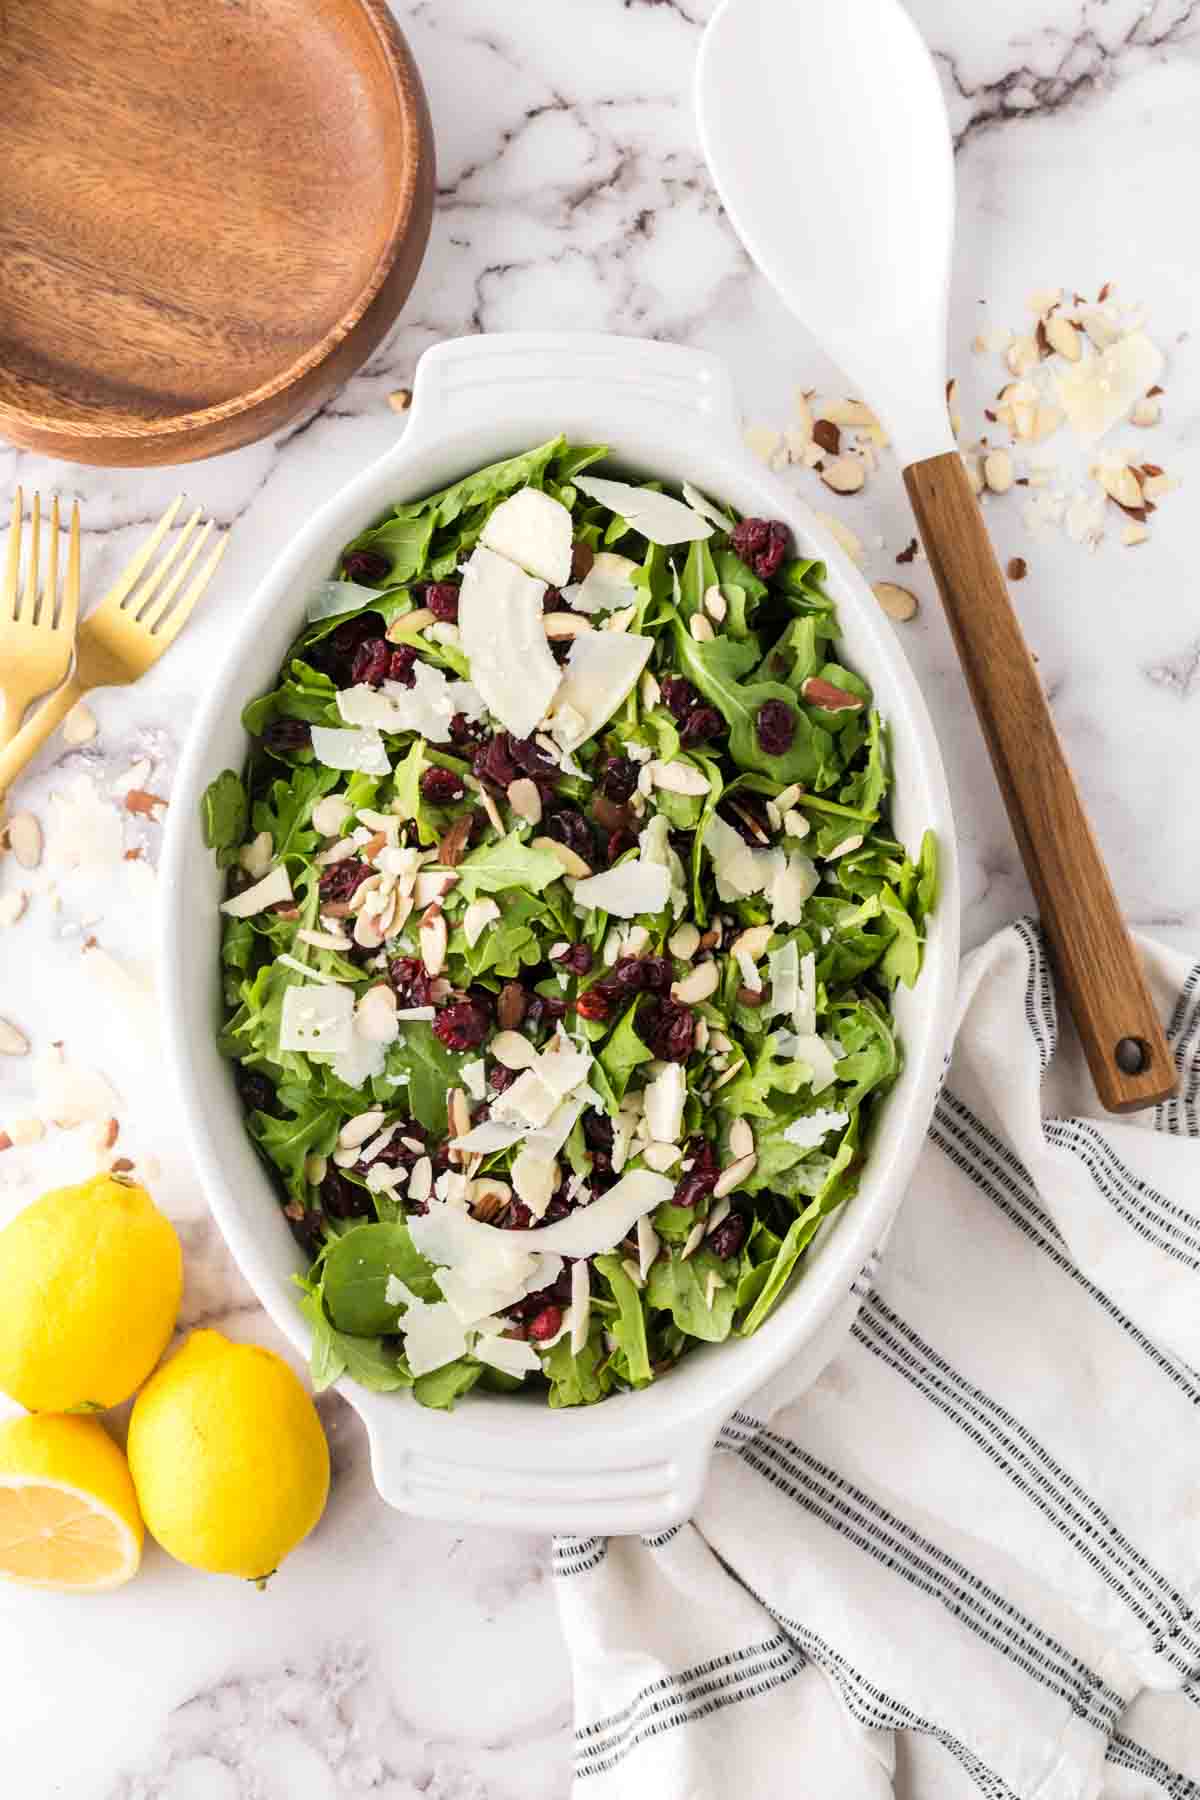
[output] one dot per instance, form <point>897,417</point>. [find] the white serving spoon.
<point>827,137</point>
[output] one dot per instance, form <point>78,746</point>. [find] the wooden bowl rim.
<point>406,89</point>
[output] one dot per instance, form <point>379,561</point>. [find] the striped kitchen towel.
<point>967,1561</point>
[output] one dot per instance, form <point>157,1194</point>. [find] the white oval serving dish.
<point>635,1463</point>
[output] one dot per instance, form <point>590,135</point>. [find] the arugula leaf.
<point>225,813</point>
<point>289,1142</point>
<point>629,1325</point>
<point>865,790</point>
<point>432,1071</point>
<point>679,1287</point>
<point>902,958</point>
<point>335,1353</point>
<point>872,1055</point>
<point>483,487</point>
<point>286,809</point>
<point>927,877</point>
<point>357,1270</point>
<point>406,782</point>
<point>578,1380</point>
<point>747,1094</point>
<point>504,864</point>
<point>623,1052</point>
<point>440,1388</point>
<point>404,540</point>
<point>799,1236</point>
<point>718,667</point>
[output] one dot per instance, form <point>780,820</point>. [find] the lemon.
<point>68,1514</point>
<point>90,1279</point>
<point>228,1457</point>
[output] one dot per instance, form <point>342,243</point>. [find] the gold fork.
<point>37,627</point>
<point>129,630</point>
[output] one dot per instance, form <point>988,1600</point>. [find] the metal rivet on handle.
<point>1133,1056</point>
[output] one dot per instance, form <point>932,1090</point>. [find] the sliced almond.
<point>560,625</point>
<point>323,940</point>
<point>828,436</point>
<point>1064,337</point>
<point>488,1198</point>
<point>1134,534</point>
<point>752,942</point>
<point>1099,327</point>
<point>315,1170</point>
<point>1120,484</point>
<point>897,602</point>
<point>701,628</point>
<point>1022,355</point>
<point>12,1041</point>
<point>741,1139</point>
<point>409,624</point>
<point>1146,411</point>
<point>432,938</point>
<point>845,475</point>
<point>697,984</point>
<point>492,811</point>
<point>715,604</point>
<point>24,836</point>
<point>375,1015</point>
<point>330,814</point>
<point>357,1130</point>
<point>651,692</point>
<point>512,1051</point>
<point>458,1111</point>
<point>974,474</point>
<point>998,471</point>
<point>684,941</point>
<point>12,905</point>
<point>661,1157</point>
<point>400,399</point>
<point>733,1176</point>
<point>848,412</point>
<point>107,1133</point>
<point>256,857</point>
<point>525,799</point>
<point>79,726</point>
<point>570,863</point>
<point>1042,300</point>
<point>952,406</point>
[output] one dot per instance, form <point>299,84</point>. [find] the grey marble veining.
<point>391,1658</point>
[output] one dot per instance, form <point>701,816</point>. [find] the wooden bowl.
<point>211,211</point>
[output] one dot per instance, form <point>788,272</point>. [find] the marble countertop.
<point>397,1658</point>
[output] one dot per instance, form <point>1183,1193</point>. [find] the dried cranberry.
<point>775,727</point>
<point>335,653</point>
<point>518,1217</point>
<point>462,1026</point>
<point>367,567</point>
<point>619,779</point>
<point>532,760</point>
<point>701,723</point>
<point>747,820</point>
<point>667,1028</point>
<point>309,1232</point>
<point>568,826</point>
<point>762,545</point>
<point>441,786</point>
<point>372,662</point>
<point>679,697</point>
<point>558,1209</point>
<point>701,1177</point>
<point>343,1198</point>
<point>341,880</point>
<point>729,1236</point>
<point>658,972</point>
<point>258,1094</point>
<point>282,736</point>
<point>618,844</point>
<point>544,1009</point>
<point>410,979</point>
<point>576,957</point>
<point>582,558</point>
<point>441,597</point>
<point>466,731</point>
<point>597,1131</point>
<point>494,761</point>
<point>401,665</point>
<point>544,1324</point>
<point>500,1078</point>
<point>595,1004</point>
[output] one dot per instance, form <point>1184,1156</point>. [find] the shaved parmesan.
<point>533,530</point>
<point>783,966</point>
<point>600,670</point>
<point>270,891</point>
<point>791,887</point>
<point>629,889</point>
<point>474,1079</point>
<point>331,598</point>
<point>806,1005</point>
<point>500,622</point>
<point>649,1245</point>
<point>507,1354</point>
<point>664,1099</point>
<point>490,1135</point>
<point>362,1062</point>
<point>317,1018</point>
<point>739,868</point>
<point>602,1225</point>
<point>658,517</point>
<point>361,750</point>
<point>813,1050</point>
<point>563,1069</point>
<point>654,846</point>
<point>478,916</point>
<point>699,503</point>
<point>607,585</point>
<point>550,1138</point>
<point>433,1336</point>
<point>1098,393</point>
<point>813,1129</point>
<point>581,1306</point>
<point>528,1102</point>
<point>427,706</point>
<point>534,1179</point>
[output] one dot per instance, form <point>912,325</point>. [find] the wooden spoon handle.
<point>1096,963</point>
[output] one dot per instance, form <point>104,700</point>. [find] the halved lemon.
<point>69,1515</point>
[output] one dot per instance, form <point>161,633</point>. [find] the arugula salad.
<point>563,918</point>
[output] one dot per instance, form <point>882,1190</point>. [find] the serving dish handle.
<point>577,377</point>
<point>631,1489</point>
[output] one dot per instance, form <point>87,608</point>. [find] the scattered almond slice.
<point>12,905</point>
<point>1063,336</point>
<point>24,837</point>
<point>1043,300</point>
<point>897,602</point>
<point>845,475</point>
<point>1147,411</point>
<point>998,471</point>
<point>1134,534</point>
